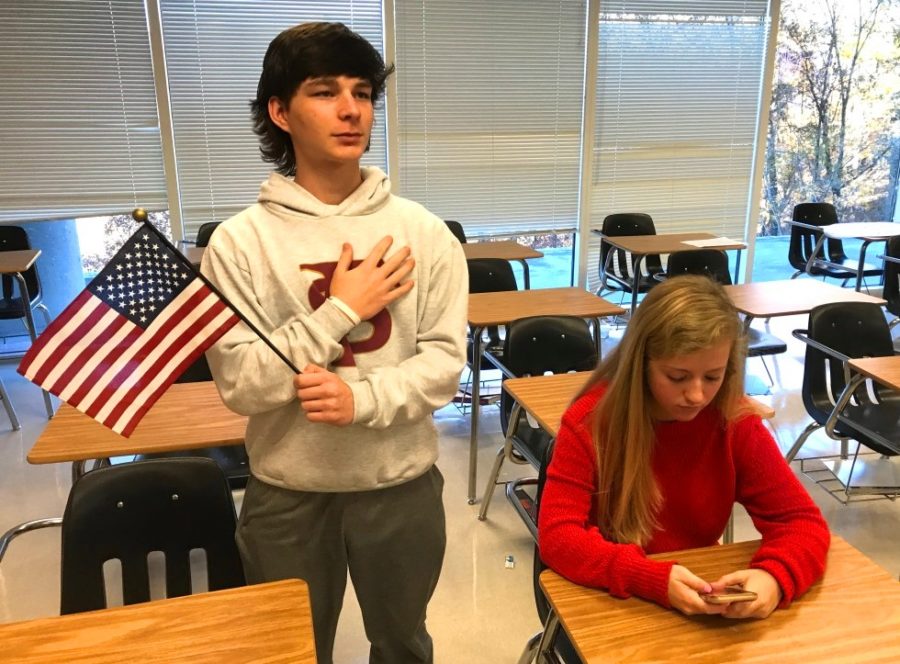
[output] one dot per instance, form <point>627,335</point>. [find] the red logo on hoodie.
<point>380,323</point>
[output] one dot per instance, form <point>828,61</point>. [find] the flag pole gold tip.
<point>139,214</point>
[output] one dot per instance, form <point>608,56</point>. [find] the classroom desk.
<point>867,231</point>
<point>269,622</point>
<point>507,250</point>
<point>639,246</point>
<point>16,263</point>
<point>194,254</point>
<point>501,308</point>
<point>768,299</point>
<point>851,615</point>
<point>187,416</point>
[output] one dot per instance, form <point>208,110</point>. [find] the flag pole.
<point>140,215</point>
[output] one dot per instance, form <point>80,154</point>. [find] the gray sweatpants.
<point>391,540</point>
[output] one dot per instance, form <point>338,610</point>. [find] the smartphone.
<point>730,594</point>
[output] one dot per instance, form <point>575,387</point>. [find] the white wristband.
<point>345,309</point>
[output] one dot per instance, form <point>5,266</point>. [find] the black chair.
<point>204,233</point>
<point>616,265</point>
<point>125,512</point>
<point>457,230</point>
<point>14,238</point>
<point>714,264</point>
<point>803,241</point>
<point>891,291</point>
<point>564,651</point>
<point>710,262</point>
<point>232,459</point>
<point>533,347</point>
<point>486,275</point>
<point>838,332</point>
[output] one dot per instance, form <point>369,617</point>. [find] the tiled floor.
<point>483,611</point>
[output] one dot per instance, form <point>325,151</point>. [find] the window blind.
<point>78,123</point>
<point>678,86</point>
<point>489,102</point>
<point>214,53</point>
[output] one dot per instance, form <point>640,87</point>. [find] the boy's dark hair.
<point>306,51</point>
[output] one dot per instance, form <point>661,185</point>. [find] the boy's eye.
<point>364,94</point>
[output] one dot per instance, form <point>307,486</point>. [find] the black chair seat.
<point>231,459</point>
<point>11,308</point>
<point>875,425</point>
<point>847,269</point>
<point>763,343</point>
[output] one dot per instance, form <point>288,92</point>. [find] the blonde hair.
<point>680,316</point>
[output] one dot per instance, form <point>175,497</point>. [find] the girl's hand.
<point>684,593</point>
<point>768,593</point>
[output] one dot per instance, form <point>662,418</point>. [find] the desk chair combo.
<point>617,267</point>
<point>808,219</point>
<point>850,407</point>
<point>127,512</point>
<point>533,347</point>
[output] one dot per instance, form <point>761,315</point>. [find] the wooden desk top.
<point>864,230</point>
<point>790,296</point>
<point>547,397</point>
<point>666,243</point>
<point>508,250</point>
<point>194,254</point>
<point>885,370</point>
<point>17,261</point>
<point>507,306</point>
<point>187,416</point>
<point>852,614</point>
<point>270,622</point>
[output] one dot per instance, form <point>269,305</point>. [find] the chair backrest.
<point>891,291</point>
<point>457,230</point>
<point>204,233</point>
<point>803,241</point>
<point>15,238</point>
<point>538,345</point>
<point>125,512</point>
<point>491,275</point>
<point>627,223</point>
<point>854,329</point>
<point>710,262</point>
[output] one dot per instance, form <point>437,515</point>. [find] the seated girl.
<point>652,455</point>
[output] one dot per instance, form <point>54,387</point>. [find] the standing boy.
<point>366,293</point>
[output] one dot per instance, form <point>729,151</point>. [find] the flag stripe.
<point>125,363</point>
<point>68,319</point>
<point>95,367</point>
<point>215,328</point>
<point>184,334</point>
<point>86,340</point>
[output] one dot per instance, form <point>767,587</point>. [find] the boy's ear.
<point>278,111</point>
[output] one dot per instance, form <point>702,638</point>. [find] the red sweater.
<point>701,468</point>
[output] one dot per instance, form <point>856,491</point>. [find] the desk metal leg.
<point>32,331</point>
<point>635,280</point>
<point>10,411</point>
<point>526,274</point>
<point>545,648</point>
<point>862,261</point>
<point>737,267</point>
<point>475,411</point>
<point>502,453</point>
<point>815,252</point>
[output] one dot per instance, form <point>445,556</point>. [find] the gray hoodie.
<point>274,262</point>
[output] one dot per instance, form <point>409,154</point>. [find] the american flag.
<point>135,328</point>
